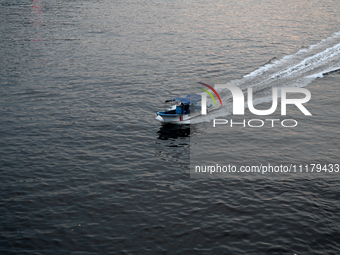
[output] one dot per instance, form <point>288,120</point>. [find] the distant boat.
<point>185,109</point>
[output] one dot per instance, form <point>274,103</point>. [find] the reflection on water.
<point>37,19</point>
<point>171,131</point>
<point>173,143</point>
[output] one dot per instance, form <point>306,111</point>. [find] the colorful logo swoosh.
<point>213,90</point>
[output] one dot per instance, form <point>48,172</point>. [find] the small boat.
<point>185,109</point>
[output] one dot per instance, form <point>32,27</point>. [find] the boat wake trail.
<point>297,70</point>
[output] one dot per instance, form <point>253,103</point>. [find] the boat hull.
<point>176,118</point>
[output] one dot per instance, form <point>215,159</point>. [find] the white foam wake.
<point>297,70</point>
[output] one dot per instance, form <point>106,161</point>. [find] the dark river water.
<point>86,169</point>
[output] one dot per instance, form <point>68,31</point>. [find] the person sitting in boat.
<point>180,108</point>
<point>186,109</point>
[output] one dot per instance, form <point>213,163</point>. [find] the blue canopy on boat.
<point>187,100</point>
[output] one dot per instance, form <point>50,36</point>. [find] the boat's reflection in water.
<point>173,143</point>
<point>173,131</point>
